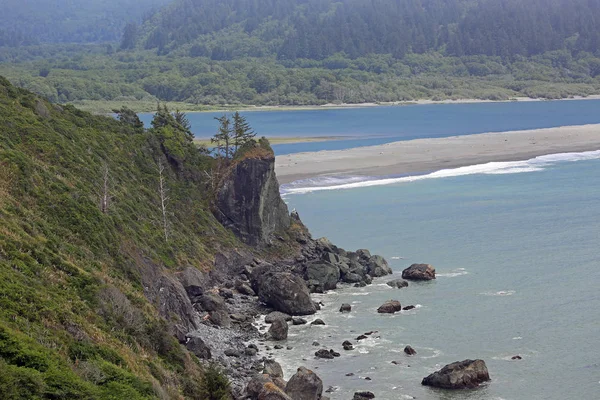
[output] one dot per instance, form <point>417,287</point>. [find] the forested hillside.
<point>311,52</point>
<point>69,21</point>
<point>317,29</point>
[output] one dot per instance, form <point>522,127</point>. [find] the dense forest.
<point>70,21</point>
<point>310,52</point>
<point>317,29</point>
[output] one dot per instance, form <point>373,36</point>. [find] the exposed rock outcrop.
<point>285,292</point>
<point>467,374</point>
<point>419,272</point>
<point>327,275</point>
<point>345,307</point>
<point>248,201</point>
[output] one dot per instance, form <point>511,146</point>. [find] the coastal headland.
<point>425,155</point>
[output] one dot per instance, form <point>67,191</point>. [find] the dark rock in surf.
<point>278,329</point>
<point>272,316</point>
<point>397,283</point>
<point>345,307</point>
<point>419,272</point>
<point>467,374</point>
<point>410,351</point>
<point>390,307</point>
<point>408,308</point>
<point>363,396</point>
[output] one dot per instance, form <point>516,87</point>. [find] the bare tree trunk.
<point>164,199</point>
<point>105,197</point>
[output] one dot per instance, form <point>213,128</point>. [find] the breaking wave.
<point>492,168</point>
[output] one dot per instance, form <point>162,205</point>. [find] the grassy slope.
<point>74,322</point>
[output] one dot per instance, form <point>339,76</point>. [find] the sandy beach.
<point>425,155</point>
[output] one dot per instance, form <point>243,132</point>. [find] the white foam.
<point>453,273</point>
<point>397,258</point>
<point>499,293</point>
<point>492,168</point>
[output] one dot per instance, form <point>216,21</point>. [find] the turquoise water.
<point>377,125</point>
<point>516,251</point>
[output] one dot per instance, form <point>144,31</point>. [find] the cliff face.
<point>248,201</point>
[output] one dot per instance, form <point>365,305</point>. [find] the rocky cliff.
<point>248,200</point>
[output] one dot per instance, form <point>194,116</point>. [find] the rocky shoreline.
<point>216,311</point>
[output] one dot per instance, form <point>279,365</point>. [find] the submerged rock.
<point>345,307</point>
<point>467,374</point>
<point>318,321</point>
<point>397,283</point>
<point>304,385</point>
<point>324,353</point>
<point>390,307</point>
<point>419,272</point>
<point>410,351</point>
<point>408,308</point>
<point>298,321</point>
<point>347,345</point>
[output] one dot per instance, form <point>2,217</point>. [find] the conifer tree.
<point>242,132</point>
<point>224,136</point>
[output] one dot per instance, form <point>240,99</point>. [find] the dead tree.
<point>105,196</point>
<point>164,199</point>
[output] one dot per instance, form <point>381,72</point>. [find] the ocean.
<point>377,125</point>
<point>515,246</point>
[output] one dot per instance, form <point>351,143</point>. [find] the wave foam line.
<point>492,168</point>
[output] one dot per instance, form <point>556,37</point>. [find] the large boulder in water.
<point>285,292</point>
<point>467,374</point>
<point>278,329</point>
<point>377,266</point>
<point>390,307</point>
<point>326,274</point>
<point>419,272</point>
<point>304,385</point>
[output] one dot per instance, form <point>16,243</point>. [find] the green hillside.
<point>75,321</point>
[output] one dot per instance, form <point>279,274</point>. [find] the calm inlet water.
<point>516,251</point>
<point>377,125</point>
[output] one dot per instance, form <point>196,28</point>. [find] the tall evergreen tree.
<point>242,132</point>
<point>224,137</point>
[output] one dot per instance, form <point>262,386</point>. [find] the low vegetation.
<point>82,222</point>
